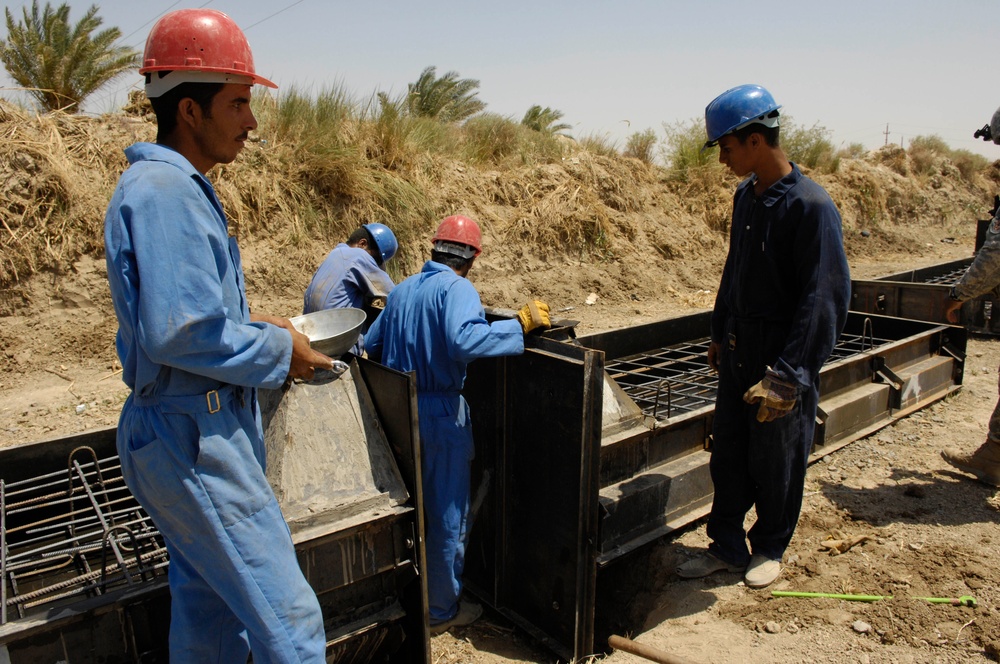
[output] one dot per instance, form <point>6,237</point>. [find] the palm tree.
<point>544,120</point>
<point>449,98</point>
<point>59,65</point>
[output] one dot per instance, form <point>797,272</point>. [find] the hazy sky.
<point>919,66</point>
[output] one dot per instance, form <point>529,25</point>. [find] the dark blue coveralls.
<point>782,302</point>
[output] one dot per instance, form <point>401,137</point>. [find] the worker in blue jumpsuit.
<point>781,306</point>
<point>189,436</point>
<point>353,274</point>
<point>434,324</point>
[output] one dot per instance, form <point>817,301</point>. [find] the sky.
<point>870,72</point>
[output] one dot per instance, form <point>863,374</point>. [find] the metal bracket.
<point>880,370</point>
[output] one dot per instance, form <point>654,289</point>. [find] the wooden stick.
<point>644,651</point>
<point>61,375</point>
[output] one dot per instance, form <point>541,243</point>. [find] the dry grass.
<point>317,168</point>
<point>57,173</point>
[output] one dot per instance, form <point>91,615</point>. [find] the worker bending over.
<point>353,274</point>
<point>434,324</point>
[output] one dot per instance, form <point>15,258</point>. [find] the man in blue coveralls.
<point>353,273</point>
<point>189,437</point>
<point>434,324</point>
<point>781,305</point>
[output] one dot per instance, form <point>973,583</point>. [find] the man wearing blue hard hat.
<point>353,274</point>
<point>781,305</point>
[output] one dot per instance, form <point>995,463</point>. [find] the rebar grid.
<point>674,380</point>
<point>949,278</point>
<point>73,534</point>
<point>667,381</point>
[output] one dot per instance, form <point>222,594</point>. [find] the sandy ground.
<point>926,530</point>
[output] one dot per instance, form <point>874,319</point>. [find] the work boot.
<point>984,463</point>
<point>468,613</point>
<point>704,564</point>
<point>762,571</point>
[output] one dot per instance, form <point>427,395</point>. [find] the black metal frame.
<point>560,495</point>
<point>922,294</point>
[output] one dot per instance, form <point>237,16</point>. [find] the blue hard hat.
<point>738,107</point>
<point>384,240</point>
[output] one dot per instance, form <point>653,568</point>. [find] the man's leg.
<point>210,499</point>
<point>779,456</point>
<point>984,463</point>
<point>446,494</point>
<point>202,628</point>
<point>734,489</point>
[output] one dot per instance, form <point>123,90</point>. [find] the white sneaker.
<point>762,571</point>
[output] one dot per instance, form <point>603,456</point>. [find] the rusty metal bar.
<point>679,368</point>
<point>59,531</point>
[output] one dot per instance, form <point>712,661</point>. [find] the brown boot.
<point>984,463</point>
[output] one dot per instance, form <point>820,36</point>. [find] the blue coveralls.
<point>434,324</point>
<point>346,277</point>
<point>189,437</point>
<point>782,302</point>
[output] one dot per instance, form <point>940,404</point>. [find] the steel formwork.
<point>922,294</point>
<point>84,568</point>
<point>589,448</point>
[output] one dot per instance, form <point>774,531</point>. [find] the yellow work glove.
<point>775,396</point>
<point>533,315</point>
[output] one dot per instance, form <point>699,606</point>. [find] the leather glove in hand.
<point>775,396</point>
<point>533,315</point>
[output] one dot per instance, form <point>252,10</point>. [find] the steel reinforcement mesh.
<point>949,278</point>
<point>674,380</point>
<point>73,534</point>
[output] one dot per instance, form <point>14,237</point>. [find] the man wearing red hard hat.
<point>434,325</point>
<point>189,436</point>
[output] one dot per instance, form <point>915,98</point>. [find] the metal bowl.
<point>331,331</point>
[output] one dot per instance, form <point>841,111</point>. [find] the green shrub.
<point>969,164</point>
<point>683,153</point>
<point>495,139</point>
<point>600,144</point>
<point>928,152</point>
<point>641,145</point>
<point>810,147</point>
<point>297,115</point>
<point>852,151</point>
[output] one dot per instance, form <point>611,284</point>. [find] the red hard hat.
<point>199,40</point>
<point>460,230</point>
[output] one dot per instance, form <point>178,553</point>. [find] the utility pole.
<point>886,133</point>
